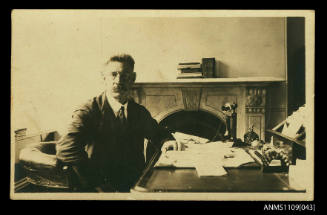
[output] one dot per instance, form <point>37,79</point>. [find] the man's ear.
<point>134,76</point>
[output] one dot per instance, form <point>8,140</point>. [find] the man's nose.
<point>117,78</point>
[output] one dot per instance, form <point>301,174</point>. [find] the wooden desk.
<point>243,179</point>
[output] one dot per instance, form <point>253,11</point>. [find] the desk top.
<point>242,179</point>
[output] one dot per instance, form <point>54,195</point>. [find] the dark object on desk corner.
<point>250,136</point>
<point>293,142</point>
<point>239,143</point>
<point>268,154</point>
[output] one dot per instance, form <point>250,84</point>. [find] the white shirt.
<point>116,105</point>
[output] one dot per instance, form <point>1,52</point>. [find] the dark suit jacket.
<point>103,152</point>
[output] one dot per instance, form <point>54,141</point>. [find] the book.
<point>189,75</point>
<point>189,70</point>
<point>189,66</point>
<point>189,63</point>
<point>208,67</point>
<point>181,74</point>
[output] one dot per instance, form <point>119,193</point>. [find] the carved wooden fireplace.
<point>194,105</point>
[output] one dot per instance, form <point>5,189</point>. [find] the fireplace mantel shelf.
<point>214,81</point>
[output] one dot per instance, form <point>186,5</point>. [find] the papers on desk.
<point>209,169</point>
<point>194,154</point>
<point>207,158</point>
<point>188,138</point>
<point>182,159</point>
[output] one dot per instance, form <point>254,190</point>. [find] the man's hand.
<point>172,145</point>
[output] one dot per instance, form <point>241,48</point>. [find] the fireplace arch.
<point>196,122</point>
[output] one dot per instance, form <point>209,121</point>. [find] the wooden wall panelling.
<point>161,100</point>
<point>255,109</point>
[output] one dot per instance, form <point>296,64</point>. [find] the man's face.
<point>119,79</point>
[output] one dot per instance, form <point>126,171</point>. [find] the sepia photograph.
<point>162,105</point>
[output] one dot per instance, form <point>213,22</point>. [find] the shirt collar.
<point>115,105</point>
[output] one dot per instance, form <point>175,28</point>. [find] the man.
<point>105,140</point>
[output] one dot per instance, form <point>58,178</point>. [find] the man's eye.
<point>114,74</point>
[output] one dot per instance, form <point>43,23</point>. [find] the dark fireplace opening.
<point>199,123</point>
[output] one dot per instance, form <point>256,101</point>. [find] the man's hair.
<point>123,58</point>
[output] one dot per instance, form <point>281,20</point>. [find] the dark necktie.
<point>121,116</point>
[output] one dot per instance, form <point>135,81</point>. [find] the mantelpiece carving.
<point>255,100</point>
<point>191,98</point>
<point>160,103</point>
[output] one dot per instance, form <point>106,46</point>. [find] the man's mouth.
<point>118,88</point>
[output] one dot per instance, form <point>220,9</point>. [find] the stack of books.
<point>20,133</point>
<point>189,70</point>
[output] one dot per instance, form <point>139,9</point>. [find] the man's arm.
<point>70,149</point>
<point>154,132</point>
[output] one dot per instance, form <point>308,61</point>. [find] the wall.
<point>296,63</point>
<point>244,47</point>
<point>57,57</point>
<point>55,66</point>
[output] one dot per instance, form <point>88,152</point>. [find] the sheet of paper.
<point>209,169</point>
<point>186,159</point>
<point>236,158</point>
<point>185,138</point>
<point>177,159</point>
<point>222,144</point>
<point>211,147</point>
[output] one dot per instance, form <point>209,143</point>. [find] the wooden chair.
<point>43,169</point>
<point>48,174</point>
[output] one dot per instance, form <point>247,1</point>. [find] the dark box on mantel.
<point>209,67</point>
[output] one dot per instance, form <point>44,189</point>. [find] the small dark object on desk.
<point>240,143</point>
<point>250,136</point>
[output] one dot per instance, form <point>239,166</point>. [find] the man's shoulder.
<point>138,107</point>
<point>91,104</point>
